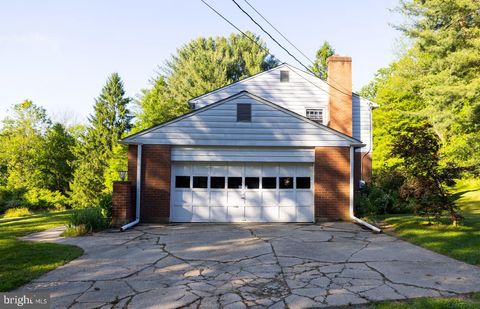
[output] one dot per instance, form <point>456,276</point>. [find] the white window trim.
<point>324,114</point>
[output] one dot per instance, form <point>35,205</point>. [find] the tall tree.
<point>111,119</point>
<point>200,66</point>
<point>319,66</point>
<point>56,158</point>
<point>21,140</point>
<point>437,80</point>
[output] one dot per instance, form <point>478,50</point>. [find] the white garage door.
<point>239,192</point>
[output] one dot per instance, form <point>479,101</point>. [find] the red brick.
<point>332,183</point>
<point>340,93</point>
<point>123,210</point>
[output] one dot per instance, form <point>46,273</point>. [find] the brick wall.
<point>155,191</point>
<point>340,93</point>
<point>123,210</point>
<point>332,183</point>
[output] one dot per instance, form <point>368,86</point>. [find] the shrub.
<point>17,212</point>
<point>86,220</point>
<point>12,198</point>
<point>45,199</point>
<point>106,205</point>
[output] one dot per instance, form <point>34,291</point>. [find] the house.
<point>280,146</point>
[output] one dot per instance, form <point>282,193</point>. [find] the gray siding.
<point>301,92</point>
<point>217,125</point>
<point>243,154</point>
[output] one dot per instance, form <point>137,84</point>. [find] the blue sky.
<point>59,53</point>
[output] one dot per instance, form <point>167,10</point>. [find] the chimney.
<point>340,93</point>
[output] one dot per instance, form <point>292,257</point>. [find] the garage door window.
<point>182,182</point>
<point>200,182</point>
<point>252,182</point>
<point>217,182</point>
<point>269,182</point>
<point>303,182</point>
<point>234,182</point>
<point>286,182</point>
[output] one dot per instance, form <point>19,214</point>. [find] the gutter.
<point>352,191</point>
<point>137,195</point>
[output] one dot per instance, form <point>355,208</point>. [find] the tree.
<point>21,140</point>
<point>110,121</point>
<point>56,158</point>
<point>200,66</point>
<point>319,66</point>
<point>437,80</point>
<point>418,149</point>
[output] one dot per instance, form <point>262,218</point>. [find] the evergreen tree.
<point>319,66</point>
<point>56,158</point>
<point>111,120</point>
<point>200,66</point>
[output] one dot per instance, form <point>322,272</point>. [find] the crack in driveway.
<point>248,266</point>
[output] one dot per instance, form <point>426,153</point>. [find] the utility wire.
<point>265,49</point>
<point>278,31</point>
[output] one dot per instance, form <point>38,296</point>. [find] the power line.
<point>278,31</point>
<point>265,49</point>
<point>267,33</point>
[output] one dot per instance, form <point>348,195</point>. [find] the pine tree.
<point>111,120</point>
<point>319,66</point>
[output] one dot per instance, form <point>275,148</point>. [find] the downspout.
<point>371,143</point>
<point>352,191</point>
<point>138,189</point>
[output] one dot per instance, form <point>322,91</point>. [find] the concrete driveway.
<point>248,265</point>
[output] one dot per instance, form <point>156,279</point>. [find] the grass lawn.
<point>461,243</point>
<point>22,261</point>
<point>468,302</point>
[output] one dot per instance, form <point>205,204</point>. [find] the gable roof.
<point>307,76</point>
<point>142,135</point>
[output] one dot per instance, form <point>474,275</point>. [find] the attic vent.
<point>244,112</point>
<point>284,76</point>
<point>316,114</point>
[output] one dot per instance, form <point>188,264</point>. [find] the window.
<point>316,115</point>
<point>286,182</point>
<point>252,182</point>
<point>234,182</point>
<point>269,182</point>
<point>284,76</point>
<point>303,182</point>
<point>182,181</point>
<point>244,112</point>
<point>217,182</point>
<point>200,182</point>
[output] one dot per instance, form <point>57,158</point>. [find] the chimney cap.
<point>338,58</point>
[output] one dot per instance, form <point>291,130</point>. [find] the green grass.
<point>22,261</point>
<point>467,302</point>
<point>462,242</point>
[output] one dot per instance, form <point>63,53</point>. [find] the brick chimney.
<point>340,98</point>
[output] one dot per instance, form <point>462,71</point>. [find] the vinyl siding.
<point>218,126</point>
<point>244,154</point>
<point>302,92</point>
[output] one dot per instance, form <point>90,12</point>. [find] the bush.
<point>86,220</point>
<point>45,199</point>
<point>106,205</point>
<point>12,198</point>
<point>17,212</point>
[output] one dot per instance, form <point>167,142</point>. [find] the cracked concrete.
<point>247,266</point>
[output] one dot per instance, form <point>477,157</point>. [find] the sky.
<point>60,53</point>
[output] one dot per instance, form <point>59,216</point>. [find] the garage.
<point>242,192</point>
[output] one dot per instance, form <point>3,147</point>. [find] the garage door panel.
<point>182,197</point>
<point>286,170</point>
<point>183,214</point>
<point>304,198</point>
<point>270,214</point>
<point>253,214</point>
<point>218,214</point>
<point>286,198</point>
<point>288,214</point>
<point>182,169</point>
<point>201,214</point>
<point>269,198</point>
<point>218,170</point>
<point>236,213</point>
<point>218,198</point>
<point>253,198</point>
<point>235,198</point>
<point>269,170</point>
<point>304,214</point>
<point>200,169</point>
<point>235,170</point>
<point>200,198</point>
